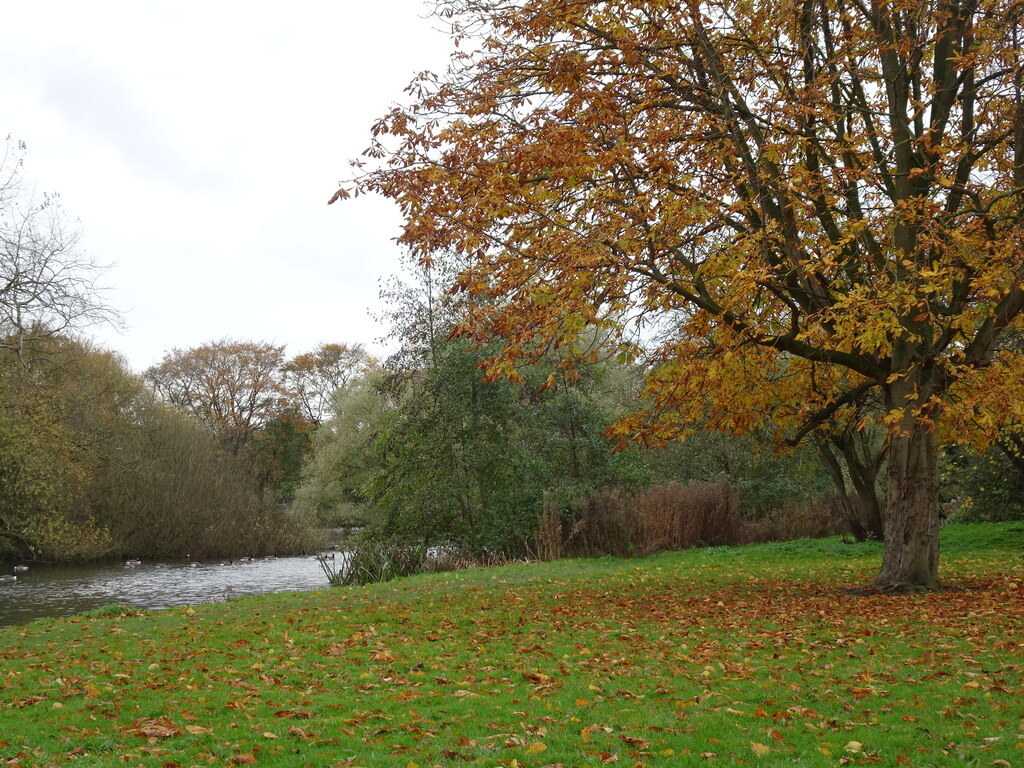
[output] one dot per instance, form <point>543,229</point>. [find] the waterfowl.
<point>8,578</point>
<point>20,568</point>
<point>132,563</point>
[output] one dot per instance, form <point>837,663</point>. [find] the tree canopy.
<point>823,196</point>
<point>313,377</point>
<point>233,387</point>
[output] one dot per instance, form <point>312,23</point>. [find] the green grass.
<point>737,656</point>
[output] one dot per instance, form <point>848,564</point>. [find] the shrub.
<point>673,516</point>
<point>813,520</point>
<point>369,561</point>
<point>669,516</point>
<point>548,541</point>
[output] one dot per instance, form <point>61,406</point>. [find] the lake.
<point>63,590</point>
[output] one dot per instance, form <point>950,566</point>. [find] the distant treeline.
<point>94,464</point>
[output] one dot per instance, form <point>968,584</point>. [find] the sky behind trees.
<point>198,146</point>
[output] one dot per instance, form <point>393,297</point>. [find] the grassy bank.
<point>748,656</point>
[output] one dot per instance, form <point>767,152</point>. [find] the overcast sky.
<point>198,143</point>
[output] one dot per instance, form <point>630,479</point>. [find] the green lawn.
<point>746,656</point>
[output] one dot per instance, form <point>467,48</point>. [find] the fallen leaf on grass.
<point>28,700</point>
<point>537,746</point>
<point>160,728</point>
<point>633,741</point>
<point>538,677</point>
<point>759,749</point>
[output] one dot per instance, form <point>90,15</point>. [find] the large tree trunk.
<point>911,558</point>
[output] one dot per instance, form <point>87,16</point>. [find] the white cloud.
<point>198,143</point>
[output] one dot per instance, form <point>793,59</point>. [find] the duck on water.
<point>14,576</point>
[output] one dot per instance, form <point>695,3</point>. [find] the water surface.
<point>45,591</point>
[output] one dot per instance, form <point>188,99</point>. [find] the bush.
<point>813,520</point>
<point>369,561</point>
<point>669,516</point>
<point>673,516</point>
<point>981,488</point>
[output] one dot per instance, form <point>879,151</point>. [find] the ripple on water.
<point>45,591</point>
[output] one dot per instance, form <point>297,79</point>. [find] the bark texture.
<point>911,558</point>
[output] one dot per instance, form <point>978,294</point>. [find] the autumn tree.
<point>827,193</point>
<point>93,464</point>
<point>313,377</point>
<point>233,387</point>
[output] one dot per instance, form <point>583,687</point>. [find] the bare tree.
<point>48,284</point>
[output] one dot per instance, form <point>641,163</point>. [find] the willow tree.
<point>825,196</point>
